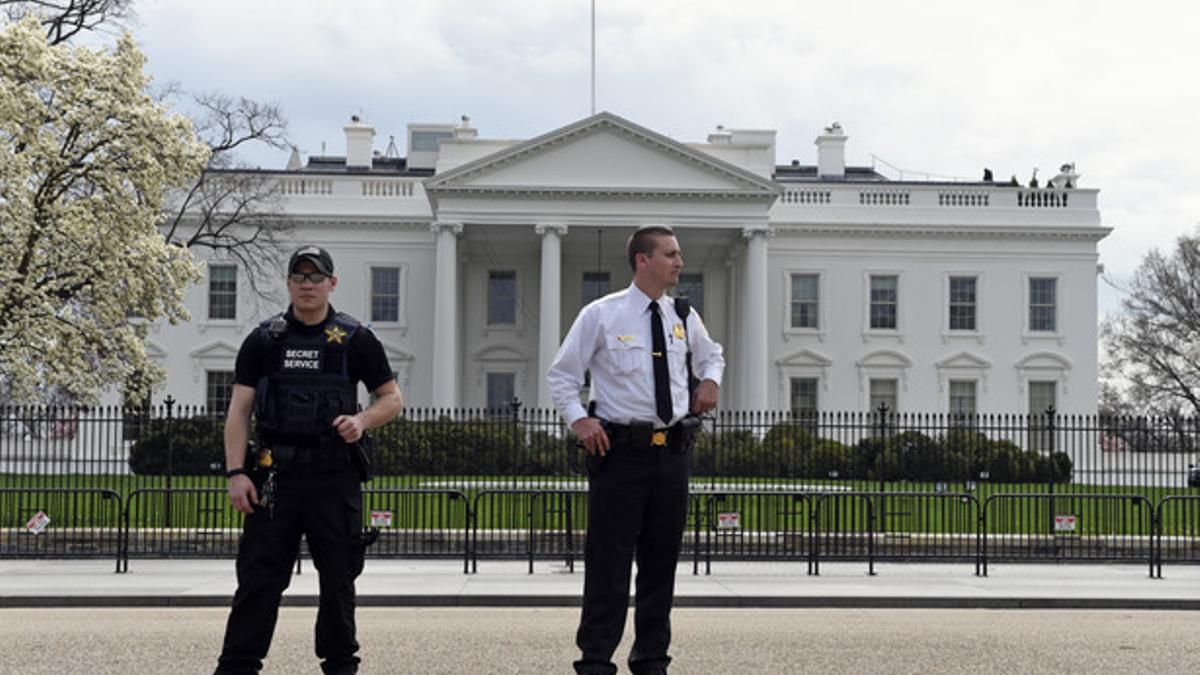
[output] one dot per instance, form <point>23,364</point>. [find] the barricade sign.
<point>38,522</point>
<point>381,519</point>
<point>729,520</point>
<point>1064,523</point>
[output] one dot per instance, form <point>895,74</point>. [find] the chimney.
<point>360,140</point>
<point>465,130</point>
<point>831,152</point>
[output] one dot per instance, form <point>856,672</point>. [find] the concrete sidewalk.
<point>199,583</point>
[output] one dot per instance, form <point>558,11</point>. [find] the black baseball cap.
<point>318,256</point>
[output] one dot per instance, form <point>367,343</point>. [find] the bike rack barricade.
<point>419,522</point>
<point>890,528</point>
<point>60,522</point>
<point>1177,521</point>
<point>550,520</point>
<point>752,524</point>
<point>1066,526</point>
<point>179,522</point>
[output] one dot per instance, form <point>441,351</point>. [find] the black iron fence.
<point>471,484</point>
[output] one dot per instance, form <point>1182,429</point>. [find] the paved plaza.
<point>427,617</point>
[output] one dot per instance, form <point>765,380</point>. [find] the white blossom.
<point>86,156</point>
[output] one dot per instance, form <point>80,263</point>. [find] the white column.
<point>549,318</point>
<point>445,316</point>
<point>754,322</point>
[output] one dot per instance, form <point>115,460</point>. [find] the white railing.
<point>884,197</point>
<point>959,198</point>
<point>387,188</point>
<point>305,186</point>
<point>805,197</point>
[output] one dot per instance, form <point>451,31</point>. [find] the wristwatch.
<point>240,471</point>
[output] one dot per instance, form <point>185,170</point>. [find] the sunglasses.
<point>315,277</point>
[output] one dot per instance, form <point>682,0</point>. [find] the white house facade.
<point>831,287</point>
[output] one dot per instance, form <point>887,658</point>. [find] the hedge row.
<point>487,447</point>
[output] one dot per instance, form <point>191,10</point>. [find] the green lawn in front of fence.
<point>927,513</point>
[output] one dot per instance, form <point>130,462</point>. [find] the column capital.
<point>752,231</point>
<point>439,226</point>
<point>547,228</point>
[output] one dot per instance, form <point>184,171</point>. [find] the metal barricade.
<point>419,522</point>
<point>733,524</point>
<point>896,526</point>
<point>180,523</point>
<point>1056,527</point>
<point>54,522</point>
<point>1177,531</point>
<point>529,523</point>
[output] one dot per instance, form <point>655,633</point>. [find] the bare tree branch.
<point>64,19</point>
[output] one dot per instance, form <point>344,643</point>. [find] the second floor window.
<point>595,285</point>
<point>962,303</point>
<point>385,294</point>
<point>1043,304</point>
<point>805,301</point>
<point>222,291</point>
<point>502,297</point>
<point>885,298</point>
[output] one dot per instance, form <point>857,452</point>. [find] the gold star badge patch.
<point>334,334</point>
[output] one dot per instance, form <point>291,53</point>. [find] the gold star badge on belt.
<point>334,334</point>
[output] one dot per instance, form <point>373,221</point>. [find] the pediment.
<point>602,154</point>
<point>396,354</point>
<point>218,349</point>
<point>500,354</point>
<point>155,351</point>
<point>964,360</point>
<point>804,357</point>
<point>1044,361</point>
<point>885,358</point>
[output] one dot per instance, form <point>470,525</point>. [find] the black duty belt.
<point>640,435</point>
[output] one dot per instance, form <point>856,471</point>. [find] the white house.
<point>830,286</point>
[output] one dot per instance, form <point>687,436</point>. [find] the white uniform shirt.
<point>611,337</point>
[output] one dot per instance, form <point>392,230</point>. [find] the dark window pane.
<point>691,286</point>
<point>385,294</point>
<point>222,292</point>
<point>595,286</point>
<point>884,299</point>
<point>502,297</point>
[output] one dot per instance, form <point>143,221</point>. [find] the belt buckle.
<point>659,439</point>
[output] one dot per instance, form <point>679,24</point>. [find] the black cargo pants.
<point>325,507</point>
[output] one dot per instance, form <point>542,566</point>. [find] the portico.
<point>567,201</point>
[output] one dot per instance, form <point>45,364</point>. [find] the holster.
<point>687,430</point>
<point>361,455</point>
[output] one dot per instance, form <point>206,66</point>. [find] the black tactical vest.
<point>307,383</point>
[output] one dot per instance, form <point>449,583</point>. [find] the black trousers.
<point>637,506</point>
<point>327,509</point>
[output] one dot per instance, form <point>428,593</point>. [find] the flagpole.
<point>593,57</point>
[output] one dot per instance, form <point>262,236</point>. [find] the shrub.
<point>197,447</point>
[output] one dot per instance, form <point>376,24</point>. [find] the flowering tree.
<point>86,156</point>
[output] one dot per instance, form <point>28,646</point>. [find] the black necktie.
<point>662,379</point>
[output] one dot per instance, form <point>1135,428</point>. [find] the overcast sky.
<point>940,87</point>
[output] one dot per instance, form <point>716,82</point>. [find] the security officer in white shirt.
<point>638,432</point>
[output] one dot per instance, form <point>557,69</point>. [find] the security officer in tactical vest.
<point>298,372</point>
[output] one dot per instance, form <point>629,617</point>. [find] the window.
<point>884,301</point>
<point>883,392</point>
<point>805,303</point>
<point>501,390</point>
<point>502,297</point>
<point>219,390</point>
<point>1043,304</point>
<point>691,286</point>
<point>1042,397</point>
<point>963,402</point>
<point>427,141</point>
<point>804,397</point>
<point>222,291</point>
<point>385,294</point>
<point>962,303</point>
<point>595,286</point>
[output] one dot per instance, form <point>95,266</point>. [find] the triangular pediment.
<point>964,360</point>
<point>602,154</point>
<point>804,357</point>
<point>217,349</point>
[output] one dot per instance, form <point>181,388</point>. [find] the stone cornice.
<point>961,231</point>
<point>599,193</point>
